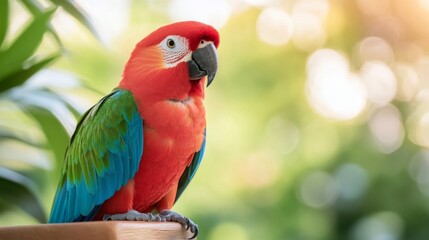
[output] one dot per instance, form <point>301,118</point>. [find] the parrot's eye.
<point>174,48</point>
<point>171,43</point>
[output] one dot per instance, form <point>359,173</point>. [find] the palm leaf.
<point>33,6</point>
<point>10,135</point>
<point>12,59</point>
<point>36,9</point>
<point>55,119</point>
<point>22,76</point>
<point>17,189</point>
<point>4,19</point>
<point>78,13</point>
<point>58,137</point>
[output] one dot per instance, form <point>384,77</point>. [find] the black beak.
<point>203,63</point>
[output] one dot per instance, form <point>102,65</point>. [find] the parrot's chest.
<point>168,150</point>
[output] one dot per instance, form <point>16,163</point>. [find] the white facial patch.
<point>175,49</point>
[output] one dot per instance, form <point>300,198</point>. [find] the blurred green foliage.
<point>21,173</point>
<point>274,168</point>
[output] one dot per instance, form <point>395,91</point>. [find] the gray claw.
<point>187,223</point>
<point>107,217</point>
<point>164,216</point>
<point>132,215</point>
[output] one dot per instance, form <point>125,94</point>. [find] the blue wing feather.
<point>80,200</point>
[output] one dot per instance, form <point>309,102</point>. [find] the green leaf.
<point>78,13</point>
<point>67,103</point>
<point>33,6</point>
<point>17,189</point>
<point>36,9</point>
<point>12,59</point>
<point>58,137</point>
<point>4,19</point>
<point>7,135</point>
<point>54,118</point>
<point>21,76</point>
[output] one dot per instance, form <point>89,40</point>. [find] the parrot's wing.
<point>190,171</point>
<point>103,155</point>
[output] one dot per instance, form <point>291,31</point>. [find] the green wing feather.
<point>103,155</point>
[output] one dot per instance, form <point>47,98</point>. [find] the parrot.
<point>134,152</point>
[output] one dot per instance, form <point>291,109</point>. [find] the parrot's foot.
<point>133,215</point>
<point>163,216</point>
<point>171,216</point>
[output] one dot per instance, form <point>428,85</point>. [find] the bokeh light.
<point>380,82</point>
<point>274,26</point>
<point>419,171</point>
<point>418,121</point>
<point>352,181</point>
<point>318,8</point>
<point>373,8</point>
<point>259,170</point>
<point>374,48</point>
<point>282,136</point>
<point>332,90</point>
<point>318,190</point>
<point>308,18</point>
<point>387,129</point>
<point>309,33</point>
<point>424,4</point>
<point>215,13</point>
<point>379,226</point>
<point>408,81</point>
<point>259,3</point>
<point>422,66</point>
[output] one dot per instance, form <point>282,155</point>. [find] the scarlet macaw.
<point>133,153</point>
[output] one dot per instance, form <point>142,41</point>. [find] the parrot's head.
<point>173,62</point>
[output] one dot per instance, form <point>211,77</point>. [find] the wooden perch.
<point>112,230</point>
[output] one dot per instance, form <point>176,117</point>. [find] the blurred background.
<point>318,119</point>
